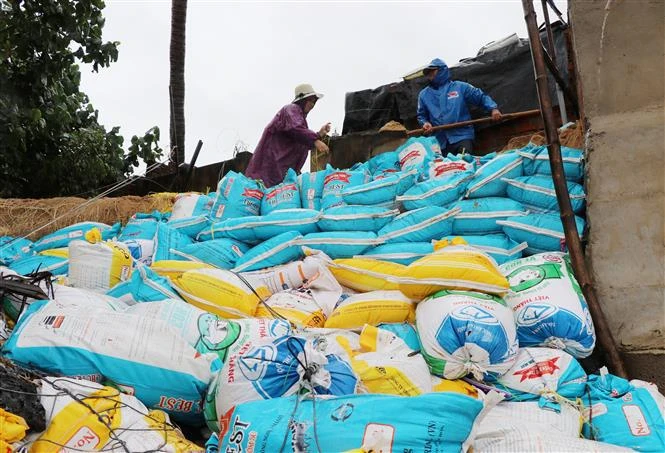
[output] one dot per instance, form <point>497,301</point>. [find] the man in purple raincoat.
<point>287,139</point>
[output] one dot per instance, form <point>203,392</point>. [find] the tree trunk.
<point>177,80</point>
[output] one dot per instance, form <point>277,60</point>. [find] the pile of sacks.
<point>413,301</point>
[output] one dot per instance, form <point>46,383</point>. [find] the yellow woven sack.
<point>12,429</point>
<point>173,269</point>
<point>453,265</point>
<point>78,426</point>
<point>61,252</point>
<point>220,292</point>
<point>296,317</point>
<point>364,274</point>
<point>373,308</point>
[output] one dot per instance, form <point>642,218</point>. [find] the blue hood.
<point>442,76</point>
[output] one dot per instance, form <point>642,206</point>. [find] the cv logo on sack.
<point>535,313</point>
<point>254,364</point>
<point>474,313</point>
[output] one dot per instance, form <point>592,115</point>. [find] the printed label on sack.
<point>538,369</point>
<point>338,176</point>
<point>378,438</point>
<point>252,193</point>
<point>636,421</point>
<point>220,210</point>
<point>75,234</point>
<point>84,439</point>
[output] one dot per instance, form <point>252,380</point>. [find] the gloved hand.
<point>427,128</point>
<point>496,115</point>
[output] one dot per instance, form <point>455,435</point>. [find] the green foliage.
<point>51,142</point>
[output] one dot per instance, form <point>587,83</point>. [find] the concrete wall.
<point>619,48</point>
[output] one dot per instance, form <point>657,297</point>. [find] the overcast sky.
<point>244,59</point>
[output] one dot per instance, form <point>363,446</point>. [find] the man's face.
<point>431,73</point>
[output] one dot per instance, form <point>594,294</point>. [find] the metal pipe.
<point>603,332</point>
<point>560,83</point>
<point>190,170</point>
<point>552,52</point>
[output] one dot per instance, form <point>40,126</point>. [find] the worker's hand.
<point>321,147</point>
<point>427,128</point>
<point>324,130</point>
<point>496,115</point>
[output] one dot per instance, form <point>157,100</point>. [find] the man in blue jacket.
<point>444,102</point>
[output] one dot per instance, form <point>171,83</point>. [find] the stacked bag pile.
<point>414,301</point>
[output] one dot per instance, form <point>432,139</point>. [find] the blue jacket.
<point>444,101</point>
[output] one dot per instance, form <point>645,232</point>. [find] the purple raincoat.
<point>285,142</point>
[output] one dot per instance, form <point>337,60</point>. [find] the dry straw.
<point>19,217</point>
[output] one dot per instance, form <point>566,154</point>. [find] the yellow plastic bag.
<point>173,268</point>
<point>12,429</point>
<point>386,365</point>
<point>453,265</point>
<point>364,274</point>
<point>220,292</point>
<point>457,386</point>
<point>373,308</point>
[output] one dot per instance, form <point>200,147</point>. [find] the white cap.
<point>305,90</point>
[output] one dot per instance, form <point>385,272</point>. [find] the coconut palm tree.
<point>177,80</point>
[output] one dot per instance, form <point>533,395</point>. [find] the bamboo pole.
<point>603,332</point>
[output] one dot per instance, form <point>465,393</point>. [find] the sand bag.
<point>99,266</point>
<point>311,189</point>
<point>337,181</point>
<point>537,193</point>
<point>273,252</point>
<point>488,179</point>
<point>356,218</point>
<point>537,162</point>
<point>548,304</point>
<point>479,215</point>
<point>237,196</point>
<point>221,292</point>
<point>627,414</point>
<point>275,368</point>
<point>373,308</point>
<point>221,253</point>
<point>435,192</point>
<point>191,204</point>
<point>542,232</point>
<point>145,357</point>
<point>497,246</point>
<point>55,261</point>
<point>463,332</point>
<point>76,425</point>
<point>282,196</point>
<point>401,252</point>
<point>362,274</point>
<point>421,225</point>
<point>378,423</point>
<point>543,373</point>
<point>64,236</point>
<point>453,265</point>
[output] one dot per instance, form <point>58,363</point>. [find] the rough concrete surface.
<point>619,46</point>
<point>620,50</point>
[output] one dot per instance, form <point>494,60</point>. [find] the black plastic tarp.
<point>503,71</point>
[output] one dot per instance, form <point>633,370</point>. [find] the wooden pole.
<point>603,333</point>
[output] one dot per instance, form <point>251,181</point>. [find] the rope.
<point>112,189</point>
